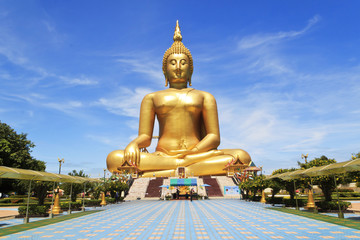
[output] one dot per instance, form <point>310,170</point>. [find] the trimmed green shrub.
<point>74,205</point>
<point>18,196</point>
<point>276,200</point>
<point>109,200</point>
<point>292,203</point>
<point>17,200</point>
<point>34,210</point>
<point>333,205</point>
<point>255,198</point>
<point>5,200</point>
<point>92,203</point>
<point>345,190</point>
<point>355,194</point>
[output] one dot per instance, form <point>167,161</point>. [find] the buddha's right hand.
<point>132,153</point>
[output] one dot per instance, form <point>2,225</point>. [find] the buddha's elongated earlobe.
<point>189,80</point>
<point>166,81</point>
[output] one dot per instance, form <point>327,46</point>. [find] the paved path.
<point>211,219</point>
<point>8,212</point>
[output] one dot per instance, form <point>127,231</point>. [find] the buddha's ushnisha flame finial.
<point>177,34</point>
<point>177,48</point>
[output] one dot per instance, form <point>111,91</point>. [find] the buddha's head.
<point>177,61</point>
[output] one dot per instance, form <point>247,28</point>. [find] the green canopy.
<point>341,167</point>
<point>26,174</point>
<point>280,175</point>
<point>335,168</point>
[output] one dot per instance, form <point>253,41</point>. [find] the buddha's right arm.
<point>146,125</point>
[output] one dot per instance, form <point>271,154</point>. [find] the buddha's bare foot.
<point>198,157</point>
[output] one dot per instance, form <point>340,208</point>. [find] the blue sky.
<point>286,74</point>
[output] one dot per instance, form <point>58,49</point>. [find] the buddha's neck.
<point>178,85</point>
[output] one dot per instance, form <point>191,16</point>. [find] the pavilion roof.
<point>26,174</point>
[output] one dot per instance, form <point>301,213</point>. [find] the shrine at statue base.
<point>231,169</point>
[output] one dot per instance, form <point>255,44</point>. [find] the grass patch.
<point>330,219</point>
<point>23,227</point>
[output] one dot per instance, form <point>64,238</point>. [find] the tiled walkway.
<point>211,219</point>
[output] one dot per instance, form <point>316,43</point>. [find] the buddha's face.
<point>178,69</point>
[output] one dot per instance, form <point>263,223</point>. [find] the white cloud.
<point>66,107</point>
<point>264,39</point>
<point>104,139</point>
<point>259,56</point>
<point>49,26</point>
<point>149,68</point>
<point>17,97</point>
<point>79,81</point>
<point>126,102</point>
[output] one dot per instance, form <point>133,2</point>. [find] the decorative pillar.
<point>103,201</point>
<point>263,199</point>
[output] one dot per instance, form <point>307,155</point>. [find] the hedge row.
<point>34,210</point>
<point>322,205</point>
<point>333,205</point>
<point>348,194</point>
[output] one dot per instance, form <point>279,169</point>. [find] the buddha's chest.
<point>178,103</point>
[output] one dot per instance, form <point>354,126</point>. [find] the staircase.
<point>201,190</point>
<point>138,189</point>
<point>225,181</point>
<point>153,189</point>
<point>214,190</point>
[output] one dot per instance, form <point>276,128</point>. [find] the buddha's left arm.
<point>211,122</point>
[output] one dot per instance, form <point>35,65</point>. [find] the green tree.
<point>41,189</point>
<point>356,155</point>
<point>288,185</point>
<point>15,151</point>
<point>96,190</point>
<point>255,185</point>
<point>116,186</point>
<point>276,185</point>
<point>354,176</point>
<point>76,187</point>
<point>325,183</point>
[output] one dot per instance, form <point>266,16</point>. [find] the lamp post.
<point>103,200</point>
<point>60,163</point>
<point>56,209</point>
<point>304,156</point>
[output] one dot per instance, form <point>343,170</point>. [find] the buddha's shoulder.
<point>169,91</point>
<point>196,91</point>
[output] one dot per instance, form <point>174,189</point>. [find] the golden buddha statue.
<point>188,126</point>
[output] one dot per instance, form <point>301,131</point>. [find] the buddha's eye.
<point>183,61</point>
<point>173,62</point>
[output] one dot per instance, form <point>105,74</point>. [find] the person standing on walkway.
<point>117,197</point>
<point>191,194</point>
